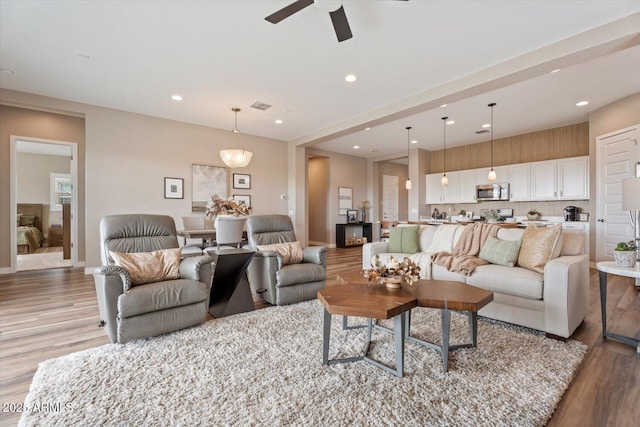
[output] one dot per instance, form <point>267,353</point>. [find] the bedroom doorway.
<point>43,193</point>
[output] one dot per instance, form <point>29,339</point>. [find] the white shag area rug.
<point>264,368</point>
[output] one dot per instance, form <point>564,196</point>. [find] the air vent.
<point>260,105</point>
<point>482,131</point>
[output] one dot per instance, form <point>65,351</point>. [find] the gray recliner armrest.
<point>262,269</point>
<point>315,254</point>
<point>196,268</point>
<point>111,281</point>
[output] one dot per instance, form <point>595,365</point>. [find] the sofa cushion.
<point>516,281</point>
<point>501,252</point>
<point>444,238</point>
<point>148,267</point>
<point>290,252</point>
<point>404,239</point>
<point>539,246</point>
<point>440,272</point>
<point>160,296</point>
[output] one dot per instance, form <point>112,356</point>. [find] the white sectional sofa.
<point>554,302</point>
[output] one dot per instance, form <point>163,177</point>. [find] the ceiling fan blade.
<point>340,24</point>
<point>289,10</point>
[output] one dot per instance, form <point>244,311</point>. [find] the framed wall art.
<point>242,198</point>
<point>173,188</point>
<point>242,181</point>
<point>206,182</point>
<point>345,200</point>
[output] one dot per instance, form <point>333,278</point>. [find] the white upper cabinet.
<point>520,182</point>
<point>543,180</point>
<point>468,186</point>
<point>573,178</point>
<point>435,192</point>
<point>461,188</point>
<point>482,175</point>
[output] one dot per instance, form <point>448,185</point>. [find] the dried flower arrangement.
<point>406,271</point>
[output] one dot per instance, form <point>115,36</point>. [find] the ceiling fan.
<point>334,7</point>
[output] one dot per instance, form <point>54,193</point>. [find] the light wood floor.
<point>52,313</point>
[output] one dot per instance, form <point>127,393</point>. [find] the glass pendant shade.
<point>407,184</point>
<point>236,157</point>
<point>444,181</point>
<point>492,175</point>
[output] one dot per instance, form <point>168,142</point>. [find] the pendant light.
<point>492,173</point>
<point>236,157</point>
<point>407,184</point>
<point>444,181</point>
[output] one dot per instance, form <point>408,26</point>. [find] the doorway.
<point>43,196</point>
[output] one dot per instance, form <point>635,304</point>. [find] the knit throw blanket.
<point>464,258</point>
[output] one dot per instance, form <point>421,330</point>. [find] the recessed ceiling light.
<point>176,97</point>
<point>350,78</point>
<point>367,128</point>
<point>486,125</point>
<point>582,103</point>
<point>414,141</point>
<point>450,122</point>
<point>355,147</point>
<point>443,105</point>
<point>278,121</point>
<point>555,71</point>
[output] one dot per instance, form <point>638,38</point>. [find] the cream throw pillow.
<point>148,267</point>
<point>290,252</point>
<point>539,246</point>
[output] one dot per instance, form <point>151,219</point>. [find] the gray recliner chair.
<point>132,312</point>
<point>277,283</point>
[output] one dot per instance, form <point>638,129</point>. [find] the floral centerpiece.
<point>218,206</point>
<point>394,273</point>
<point>533,214</point>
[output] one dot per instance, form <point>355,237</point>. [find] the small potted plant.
<point>492,215</point>
<point>625,254</point>
<point>533,215</point>
<point>462,215</point>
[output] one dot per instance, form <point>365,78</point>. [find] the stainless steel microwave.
<point>497,191</point>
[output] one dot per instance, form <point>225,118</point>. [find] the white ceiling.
<point>409,57</point>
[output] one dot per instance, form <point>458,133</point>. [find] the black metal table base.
<point>230,291</point>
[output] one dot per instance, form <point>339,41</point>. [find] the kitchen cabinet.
<point>573,178</point>
<point>544,180</point>
<point>482,175</point>
<point>520,182</point>
<point>461,188</point>
<point>468,186</point>
<point>435,191</point>
<point>561,179</point>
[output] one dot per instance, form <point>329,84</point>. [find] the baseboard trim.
<point>6,270</point>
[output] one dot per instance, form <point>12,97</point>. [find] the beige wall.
<point>40,125</point>
<point>610,118</point>
<point>318,192</point>
<point>345,171</point>
<point>128,155</point>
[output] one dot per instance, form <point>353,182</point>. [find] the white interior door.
<point>617,154</point>
<point>390,197</point>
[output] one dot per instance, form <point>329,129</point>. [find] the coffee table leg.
<point>325,337</point>
<point>398,332</point>
<point>407,324</point>
<point>446,324</point>
<point>473,328</point>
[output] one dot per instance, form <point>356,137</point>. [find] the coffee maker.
<point>571,213</point>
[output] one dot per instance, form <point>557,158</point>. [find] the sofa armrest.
<point>566,293</point>
<point>196,268</point>
<point>315,255</point>
<point>111,282</point>
<point>370,250</point>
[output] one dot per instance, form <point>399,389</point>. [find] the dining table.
<point>207,234</point>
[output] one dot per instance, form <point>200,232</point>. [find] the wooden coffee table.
<point>446,296</point>
<point>371,301</point>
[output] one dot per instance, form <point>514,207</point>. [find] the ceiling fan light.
<point>328,5</point>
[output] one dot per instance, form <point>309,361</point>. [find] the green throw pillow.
<point>404,240</point>
<point>501,252</point>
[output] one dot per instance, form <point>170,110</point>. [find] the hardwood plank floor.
<point>48,314</point>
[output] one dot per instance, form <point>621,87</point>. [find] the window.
<point>60,190</point>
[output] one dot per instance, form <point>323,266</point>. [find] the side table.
<point>611,268</point>
<point>230,292</point>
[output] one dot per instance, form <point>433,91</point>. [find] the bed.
<point>29,231</point>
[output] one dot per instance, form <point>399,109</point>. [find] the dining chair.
<point>193,247</point>
<point>229,232</point>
